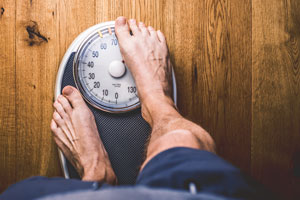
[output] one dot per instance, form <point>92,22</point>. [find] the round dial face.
<point>101,75</point>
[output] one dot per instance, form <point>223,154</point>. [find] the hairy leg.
<point>146,54</point>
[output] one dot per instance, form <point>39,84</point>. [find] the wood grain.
<point>236,63</point>
<point>74,17</point>
<point>276,93</point>
<point>36,63</point>
<point>211,50</point>
<point>149,12</point>
<point>7,94</point>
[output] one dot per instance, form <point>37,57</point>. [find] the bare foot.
<point>75,132</point>
<point>145,52</point>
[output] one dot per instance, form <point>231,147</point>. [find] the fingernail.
<point>68,91</point>
<point>121,20</point>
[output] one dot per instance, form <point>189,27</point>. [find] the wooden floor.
<point>238,73</point>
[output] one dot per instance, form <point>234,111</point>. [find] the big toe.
<point>73,95</point>
<point>121,28</point>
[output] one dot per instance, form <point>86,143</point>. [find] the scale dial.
<point>101,74</point>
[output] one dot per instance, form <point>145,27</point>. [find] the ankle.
<point>99,169</point>
<point>101,174</point>
<point>156,108</point>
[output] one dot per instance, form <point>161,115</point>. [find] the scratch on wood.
<point>34,35</point>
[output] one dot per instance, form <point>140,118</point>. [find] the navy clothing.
<point>185,170</point>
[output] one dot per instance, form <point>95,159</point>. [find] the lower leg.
<point>146,54</point>
<point>170,129</point>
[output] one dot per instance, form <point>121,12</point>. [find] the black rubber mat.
<point>124,136</point>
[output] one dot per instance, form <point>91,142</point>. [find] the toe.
<point>73,96</point>
<point>58,107</point>
<point>143,29</point>
<point>53,126</point>
<point>59,137</point>
<point>58,120</point>
<point>61,140</point>
<point>134,28</point>
<point>152,32</point>
<point>121,28</point>
<point>161,36</point>
<point>65,104</point>
<point>61,125</point>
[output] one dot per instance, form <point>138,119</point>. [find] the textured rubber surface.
<point>124,136</point>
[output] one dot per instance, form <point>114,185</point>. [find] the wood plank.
<point>74,17</point>
<point>36,65</point>
<point>149,12</point>
<point>211,51</point>
<point>276,89</point>
<point>238,87</point>
<point>210,46</point>
<point>7,95</point>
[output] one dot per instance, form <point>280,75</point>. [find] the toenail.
<point>121,20</point>
<point>132,21</point>
<point>68,91</point>
<point>151,28</point>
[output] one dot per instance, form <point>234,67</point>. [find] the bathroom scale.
<point>94,65</point>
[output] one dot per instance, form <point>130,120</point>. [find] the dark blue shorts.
<point>181,169</point>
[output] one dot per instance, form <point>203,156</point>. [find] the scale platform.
<point>123,134</point>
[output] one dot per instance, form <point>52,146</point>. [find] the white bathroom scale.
<point>94,65</point>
